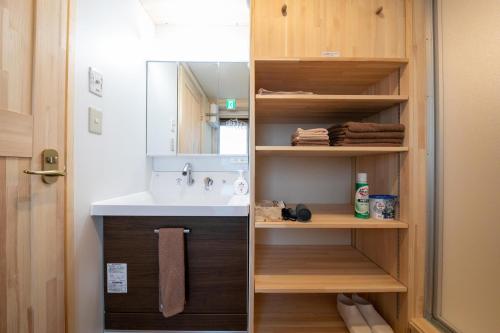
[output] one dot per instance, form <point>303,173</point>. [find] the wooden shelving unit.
<point>286,313</point>
<point>343,89</point>
<point>333,217</point>
<point>320,108</point>
<point>383,79</point>
<point>319,269</point>
<point>326,151</point>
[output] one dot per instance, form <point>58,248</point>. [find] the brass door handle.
<point>49,173</point>
<point>50,167</point>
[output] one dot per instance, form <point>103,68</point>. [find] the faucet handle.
<point>209,182</point>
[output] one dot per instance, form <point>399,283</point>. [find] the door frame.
<point>70,276</point>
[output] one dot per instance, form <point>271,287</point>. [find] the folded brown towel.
<point>347,140</point>
<point>344,132</point>
<point>311,131</point>
<point>172,271</point>
<point>310,137</point>
<point>320,143</point>
<point>370,127</point>
<point>367,144</point>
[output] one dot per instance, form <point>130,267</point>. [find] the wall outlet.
<point>95,121</point>
<point>95,82</point>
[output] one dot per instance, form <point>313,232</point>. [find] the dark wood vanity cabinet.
<point>216,273</point>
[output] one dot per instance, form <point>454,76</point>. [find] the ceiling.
<point>198,12</point>
<point>232,81</point>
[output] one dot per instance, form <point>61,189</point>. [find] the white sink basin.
<point>183,204</point>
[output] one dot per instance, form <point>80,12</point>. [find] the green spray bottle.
<point>361,198</point>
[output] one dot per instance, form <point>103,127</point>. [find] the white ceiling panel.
<point>198,12</point>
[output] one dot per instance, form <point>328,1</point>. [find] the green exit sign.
<point>230,104</point>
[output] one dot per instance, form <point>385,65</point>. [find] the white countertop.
<point>145,204</point>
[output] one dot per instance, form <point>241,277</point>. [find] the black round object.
<point>303,213</point>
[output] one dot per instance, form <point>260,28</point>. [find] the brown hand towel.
<point>370,127</point>
<point>172,271</point>
<point>347,140</point>
<point>367,144</point>
<point>366,135</point>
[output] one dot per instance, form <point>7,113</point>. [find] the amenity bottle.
<point>361,199</point>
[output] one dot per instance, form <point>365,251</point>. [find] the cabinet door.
<point>216,273</point>
<point>316,26</point>
<point>269,28</point>
<point>372,35</point>
<point>311,27</point>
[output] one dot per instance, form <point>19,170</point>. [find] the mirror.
<point>197,108</point>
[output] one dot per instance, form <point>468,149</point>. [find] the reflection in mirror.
<point>210,111</point>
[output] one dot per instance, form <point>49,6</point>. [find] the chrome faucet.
<point>209,182</point>
<point>188,171</point>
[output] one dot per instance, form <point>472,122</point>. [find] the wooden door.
<point>33,42</point>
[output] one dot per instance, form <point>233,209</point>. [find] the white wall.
<point>113,36</point>
<point>198,43</point>
<point>469,157</point>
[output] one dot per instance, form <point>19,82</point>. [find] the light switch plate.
<point>95,121</point>
<point>95,82</point>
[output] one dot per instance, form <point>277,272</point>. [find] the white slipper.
<point>352,317</point>
<point>372,317</point>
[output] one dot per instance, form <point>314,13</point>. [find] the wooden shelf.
<point>324,75</point>
<point>297,314</point>
<point>333,217</point>
<point>326,151</point>
<point>320,108</point>
<point>319,269</point>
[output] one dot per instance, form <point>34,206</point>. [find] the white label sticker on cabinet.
<point>117,278</point>
<point>333,54</point>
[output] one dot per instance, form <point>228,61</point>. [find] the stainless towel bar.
<point>186,231</point>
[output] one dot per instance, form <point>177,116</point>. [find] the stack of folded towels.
<point>367,134</point>
<point>311,137</point>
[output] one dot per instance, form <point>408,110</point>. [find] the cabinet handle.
<point>284,9</point>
